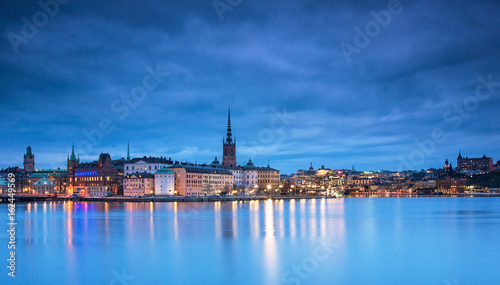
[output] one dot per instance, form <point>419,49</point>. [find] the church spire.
<point>128,150</point>
<point>73,156</point>
<point>229,135</point>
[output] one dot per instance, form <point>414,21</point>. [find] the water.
<point>343,241</point>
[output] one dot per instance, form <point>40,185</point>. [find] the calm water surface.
<point>342,241</point>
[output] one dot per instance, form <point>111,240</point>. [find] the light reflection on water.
<point>258,242</point>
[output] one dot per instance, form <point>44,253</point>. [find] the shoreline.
<point>34,198</point>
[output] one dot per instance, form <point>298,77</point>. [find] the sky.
<point>371,84</point>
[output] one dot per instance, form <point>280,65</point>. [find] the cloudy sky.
<point>374,84</point>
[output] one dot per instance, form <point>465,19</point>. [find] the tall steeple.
<point>228,145</point>
<point>128,150</point>
<point>229,135</point>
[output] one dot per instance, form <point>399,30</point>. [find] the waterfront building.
<point>22,178</point>
<point>268,178</point>
<point>197,180</point>
<point>4,186</point>
<point>164,182</point>
<point>228,145</point>
<point>44,187</point>
<point>57,176</point>
<point>237,172</point>
<point>138,184</point>
<point>250,174</point>
<point>29,160</point>
<point>452,183</point>
<point>98,178</point>
<point>474,166</point>
<point>244,177</point>
<point>146,164</point>
<point>426,183</point>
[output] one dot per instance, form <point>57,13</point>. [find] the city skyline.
<point>219,157</point>
<point>297,93</point>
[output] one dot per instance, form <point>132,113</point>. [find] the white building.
<point>44,186</point>
<point>138,184</point>
<point>250,174</point>
<point>164,182</point>
<point>238,176</point>
<point>146,164</point>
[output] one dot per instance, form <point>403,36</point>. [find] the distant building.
<point>98,178</point>
<point>452,183</point>
<point>237,172</point>
<point>196,180</point>
<point>268,178</point>
<point>29,160</point>
<point>138,184</point>
<point>250,174</point>
<point>308,172</point>
<point>44,187</point>
<point>146,164</point>
<point>57,176</point>
<point>474,166</point>
<point>4,186</point>
<point>164,182</point>
<point>426,183</point>
<point>228,145</point>
<point>22,179</point>
<point>447,166</point>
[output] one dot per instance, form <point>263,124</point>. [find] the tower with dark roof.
<point>72,161</point>
<point>228,145</point>
<point>29,160</point>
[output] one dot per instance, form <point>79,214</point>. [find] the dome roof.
<point>249,165</point>
<point>216,163</point>
<point>44,181</point>
<point>164,170</point>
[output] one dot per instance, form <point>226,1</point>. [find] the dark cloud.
<point>264,57</point>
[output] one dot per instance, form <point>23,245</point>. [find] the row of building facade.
<point>448,179</point>
<point>148,175</point>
